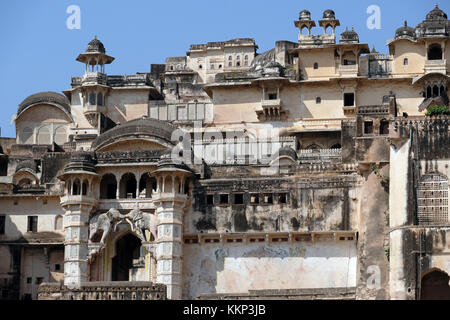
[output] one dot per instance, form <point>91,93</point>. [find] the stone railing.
<point>320,152</point>
<point>271,103</point>
<point>376,109</point>
<point>317,124</point>
<point>439,66</point>
<point>120,290</point>
<point>128,156</point>
<point>348,70</point>
<point>94,77</point>
<point>286,294</point>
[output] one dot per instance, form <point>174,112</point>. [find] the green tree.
<point>434,111</point>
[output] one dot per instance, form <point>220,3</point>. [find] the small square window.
<point>209,199</point>
<point>29,279</point>
<point>239,198</point>
<point>57,267</point>
<point>283,198</point>
<point>268,199</point>
<point>224,199</point>
<point>254,198</point>
<point>39,280</point>
<point>368,127</point>
<point>318,100</point>
<point>349,99</point>
<point>273,96</point>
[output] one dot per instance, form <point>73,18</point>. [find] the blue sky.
<point>39,50</point>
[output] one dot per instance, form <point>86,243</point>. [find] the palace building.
<point>309,171</point>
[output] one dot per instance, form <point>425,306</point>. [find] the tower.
<point>94,81</point>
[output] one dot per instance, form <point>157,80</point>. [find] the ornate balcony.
<point>348,70</point>
<point>436,66</point>
<point>272,111</point>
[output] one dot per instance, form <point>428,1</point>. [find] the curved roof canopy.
<point>139,128</point>
<point>52,98</point>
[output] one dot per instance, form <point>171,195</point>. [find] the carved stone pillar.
<point>170,202</point>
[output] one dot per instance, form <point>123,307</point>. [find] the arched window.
<point>92,98</point>
<point>405,61</point>
<point>146,185</point>
<point>246,57</point>
<point>43,136</point>
<point>428,92</point>
<point>27,135</point>
<point>435,52</point>
<point>76,188</point>
<point>230,58</point>
<point>316,65</point>
<point>220,66</point>
<point>84,188</point>
<point>58,223</point>
<point>238,58</point>
<point>435,91</point>
<point>230,64</point>
<point>128,186</point>
<point>432,199</point>
<point>60,136</point>
<point>108,187</point>
<point>318,100</point>
<point>442,91</point>
<point>384,126</point>
<point>100,99</point>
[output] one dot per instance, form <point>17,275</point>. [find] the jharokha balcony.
<point>351,70</point>
<point>436,66</point>
<point>272,110</point>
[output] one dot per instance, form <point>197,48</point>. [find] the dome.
<point>436,14</point>
<point>435,25</point>
<point>349,36</point>
<point>47,97</point>
<point>405,31</point>
<point>305,15</point>
<point>96,46</point>
<point>329,15</point>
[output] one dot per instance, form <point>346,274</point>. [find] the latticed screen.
<point>432,199</point>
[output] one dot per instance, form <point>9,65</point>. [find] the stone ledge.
<point>286,294</point>
<point>112,290</point>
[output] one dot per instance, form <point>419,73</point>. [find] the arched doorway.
<point>127,249</point>
<point>435,286</point>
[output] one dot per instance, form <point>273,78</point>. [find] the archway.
<point>108,187</point>
<point>127,249</point>
<point>435,286</point>
<point>128,186</point>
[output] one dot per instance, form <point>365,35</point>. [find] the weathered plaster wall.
<point>239,268</point>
